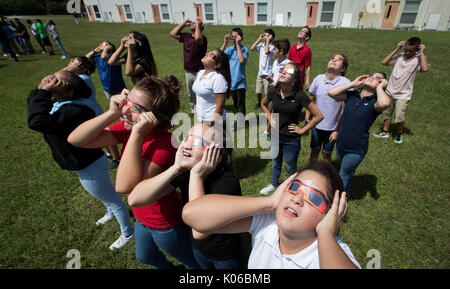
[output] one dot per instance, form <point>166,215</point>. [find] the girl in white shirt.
<point>295,227</point>
<point>212,87</point>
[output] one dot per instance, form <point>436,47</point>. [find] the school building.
<point>378,14</point>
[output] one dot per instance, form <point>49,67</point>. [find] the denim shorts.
<point>321,138</point>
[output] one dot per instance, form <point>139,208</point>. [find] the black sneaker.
<point>257,106</point>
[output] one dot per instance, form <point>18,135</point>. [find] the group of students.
<point>186,197</point>
<point>12,32</point>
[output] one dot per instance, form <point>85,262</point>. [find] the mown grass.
<point>400,199</point>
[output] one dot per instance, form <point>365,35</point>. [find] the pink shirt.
<point>401,82</point>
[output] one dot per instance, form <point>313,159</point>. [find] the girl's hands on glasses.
<point>335,216</point>
<point>359,80</point>
<point>117,101</point>
<point>276,196</point>
<point>210,159</point>
<point>146,124</point>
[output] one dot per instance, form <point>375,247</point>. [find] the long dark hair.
<point>144,51</point>
<point>76,84</point>
<point>297,77</point>
<point>224,68</point>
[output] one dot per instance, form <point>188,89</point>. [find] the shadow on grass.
<point>393,130</point>
<point>248,165</point>
<point>363,184</point>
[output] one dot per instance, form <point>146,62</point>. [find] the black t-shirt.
<point>289,110</point>
<point>221,181</point>
<point>142,63</point>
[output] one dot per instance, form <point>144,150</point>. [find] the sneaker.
<point>381,134</point>
<point>257,106</point>
<point>264,132</point>
<point>399,139</point>
<point>270,188</point>
<point>106,218</point>
<point>114,164</point>
<point>63,57</point>
<point>108,155</point>
<point>122,241</point>
<point>43,52</point>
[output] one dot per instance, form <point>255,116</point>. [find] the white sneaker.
<point>106,218</point>
<point>43,52</point>
<point>122,241</point>
<point>270,188</point>
<point>63,57</point>
<point>264,132</point>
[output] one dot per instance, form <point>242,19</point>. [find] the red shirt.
<point>157,148</point>
<point>302,56</point>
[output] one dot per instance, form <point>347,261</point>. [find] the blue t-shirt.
<point>237,70</point>
<point>359,114</point>
<point>110,76</point>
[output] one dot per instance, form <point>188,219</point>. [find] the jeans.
<point>60,46</point>
<point>175,241</point>
<point>349,163</point>
<point>289,149</point>
<point>209,263</point>
<point>96,180</point>
<point>239,100</point>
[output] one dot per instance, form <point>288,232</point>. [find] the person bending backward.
<point>287,101</point>
<point>265,47</point>
<point>55,109</point>
<point>400,85</point>
<point>158,224</point>
<point>237,56</point>
<point>360,111</point>
<point>194,47</point>
<point>324,134</point>
<point>294,228</point>
<point>202,166</point>
<point>211,87</point>
<point>139,61</point>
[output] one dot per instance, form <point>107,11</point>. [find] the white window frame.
<point>162,13</point>
<point>409,12</point>
<point>209,13</point>
<point>257,14</point>
<point>97,14</point>
<point>126,13</point>
<point>327,12</point>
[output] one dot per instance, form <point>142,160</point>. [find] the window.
<point>209,14</point>
<point>327,12</point>
<point>262,12</point>
<point>410,12</point>
<point>165,12</point>
<point>128,11</point>
<point>96,11</point>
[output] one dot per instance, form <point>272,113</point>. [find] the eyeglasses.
<point>213,56</point>
<point>337,58</point>
<point>197,142</point>
<point>377,78</point>
<point>312,196</point>
<point>288,70</point>
<point>135,107</point>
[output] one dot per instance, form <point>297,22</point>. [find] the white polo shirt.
<point>266,250</point>
<point>265,60</point>
<point>205,88</point>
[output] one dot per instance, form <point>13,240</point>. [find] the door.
<point>279,19</point>
<point>433,21</point>
<point>156,15</point>
<point>225,18</point>
<point>250,13</point>
<point>312,14</point>
<point>198,11</point>
<point>91,13</point>
<point>121,13</point>
<point>390,12</point>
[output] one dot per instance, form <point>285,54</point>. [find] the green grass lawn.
<point>400,198</point>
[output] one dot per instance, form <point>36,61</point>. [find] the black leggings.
<point>239,100</point>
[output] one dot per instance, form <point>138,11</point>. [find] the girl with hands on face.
<point>288,101</point>
<point>201,167</point>
<point>361,109</point>
<point>294,228</point>
<point>56,108</point>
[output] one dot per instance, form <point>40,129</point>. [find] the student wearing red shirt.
<point>158,225</point>
<point>301,54</point>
